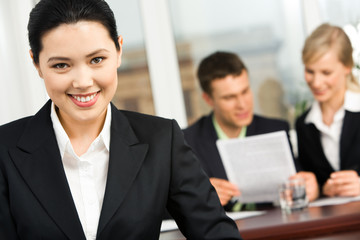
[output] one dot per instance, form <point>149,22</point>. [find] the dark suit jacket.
<point>150,168</point>
<point>311,154</point>
<point>202,137</point>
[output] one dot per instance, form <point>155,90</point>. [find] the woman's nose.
<point>316,80</point>
<point>82,78</point>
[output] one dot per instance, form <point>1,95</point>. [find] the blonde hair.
<point>324,38</point>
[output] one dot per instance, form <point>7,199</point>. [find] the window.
<point>134,88</point>
<point>346,15</point>
<point>266,34</point>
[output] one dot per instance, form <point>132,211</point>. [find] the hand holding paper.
<point>225,189</point>
<point>258,164</point>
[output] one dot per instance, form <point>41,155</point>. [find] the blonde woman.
<point>329,132</point>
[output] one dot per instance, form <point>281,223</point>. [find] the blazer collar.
<point>38,160</point>
<point>209,151</point>
<point>349,132</point>
<point>126,157</point>
<point>252,129</point>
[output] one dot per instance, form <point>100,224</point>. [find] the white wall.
<point>162,60</point>
<point>22,91</point>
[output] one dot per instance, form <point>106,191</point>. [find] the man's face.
<point>232,101</point>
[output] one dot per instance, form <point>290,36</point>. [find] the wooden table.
<point>316,223</point>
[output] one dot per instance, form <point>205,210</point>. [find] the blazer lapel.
<point>126,158</point>
<point>317,149</point>
<point>251,129</point>
<point>209,151</point>
<point>39,162</point>
<point>349,130</point>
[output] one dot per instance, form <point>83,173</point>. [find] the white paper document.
<point>258,164</point>
<point>168,225</point>
<point>333,201</point>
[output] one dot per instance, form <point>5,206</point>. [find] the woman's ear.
<point>348,70</point>
<point>120,41</point>
<point>35,64</point>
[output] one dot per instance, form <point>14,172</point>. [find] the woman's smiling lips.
<point>318,92</point>
<point>85,100</point>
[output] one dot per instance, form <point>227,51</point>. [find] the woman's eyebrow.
<point>97,52</point>
<point>58,59</point>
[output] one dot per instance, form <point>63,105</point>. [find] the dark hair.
<point>49,14</point>
<point>218,65</point>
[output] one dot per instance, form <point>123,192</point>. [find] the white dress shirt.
<point>330,135</point>
<point>86,174</point>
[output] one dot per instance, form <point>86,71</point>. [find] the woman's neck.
<point>82,134</point>
<point>329,108</point>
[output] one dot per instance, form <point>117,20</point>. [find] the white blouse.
<point>86,174</point>
<point>330,135</point>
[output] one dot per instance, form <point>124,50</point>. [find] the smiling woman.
<point>77,169</point>
<point>74,71</point>
<point>328,133</point>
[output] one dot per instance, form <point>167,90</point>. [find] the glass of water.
<point>292,195</point>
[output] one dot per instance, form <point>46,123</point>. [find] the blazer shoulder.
<point>273,124</point>
<point>300,121</point>
<point>12,131</point>
<point>199,124</point>
<point>144,125</point>
<point>352,114</point>
<point>200,130</point>
<point>141,118</point>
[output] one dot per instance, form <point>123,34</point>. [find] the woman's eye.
<point>309,71</point>
<point>96,60</point>
<point>61,65</point>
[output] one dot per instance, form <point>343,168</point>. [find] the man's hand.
<point>225,189</point>
<point>312,187</point>
<point>342,183</point>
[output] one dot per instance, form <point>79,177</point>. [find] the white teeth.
<point>84,99</point>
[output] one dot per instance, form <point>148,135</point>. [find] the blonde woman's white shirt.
<point>330,135</point>
<point>86,174</point>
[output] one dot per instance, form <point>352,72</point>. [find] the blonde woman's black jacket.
<point>311,154</point>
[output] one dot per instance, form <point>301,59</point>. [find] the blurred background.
<point>164,41</point>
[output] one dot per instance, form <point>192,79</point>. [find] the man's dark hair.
<point>218,65</point>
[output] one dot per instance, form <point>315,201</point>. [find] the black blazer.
<point>150,168</point>
<point>311,154</point>
<point>202,137</point>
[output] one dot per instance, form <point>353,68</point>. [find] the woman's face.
<point>78,63</point>
<point>326,77</point>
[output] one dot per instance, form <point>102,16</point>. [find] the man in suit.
<point>226,89</point>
